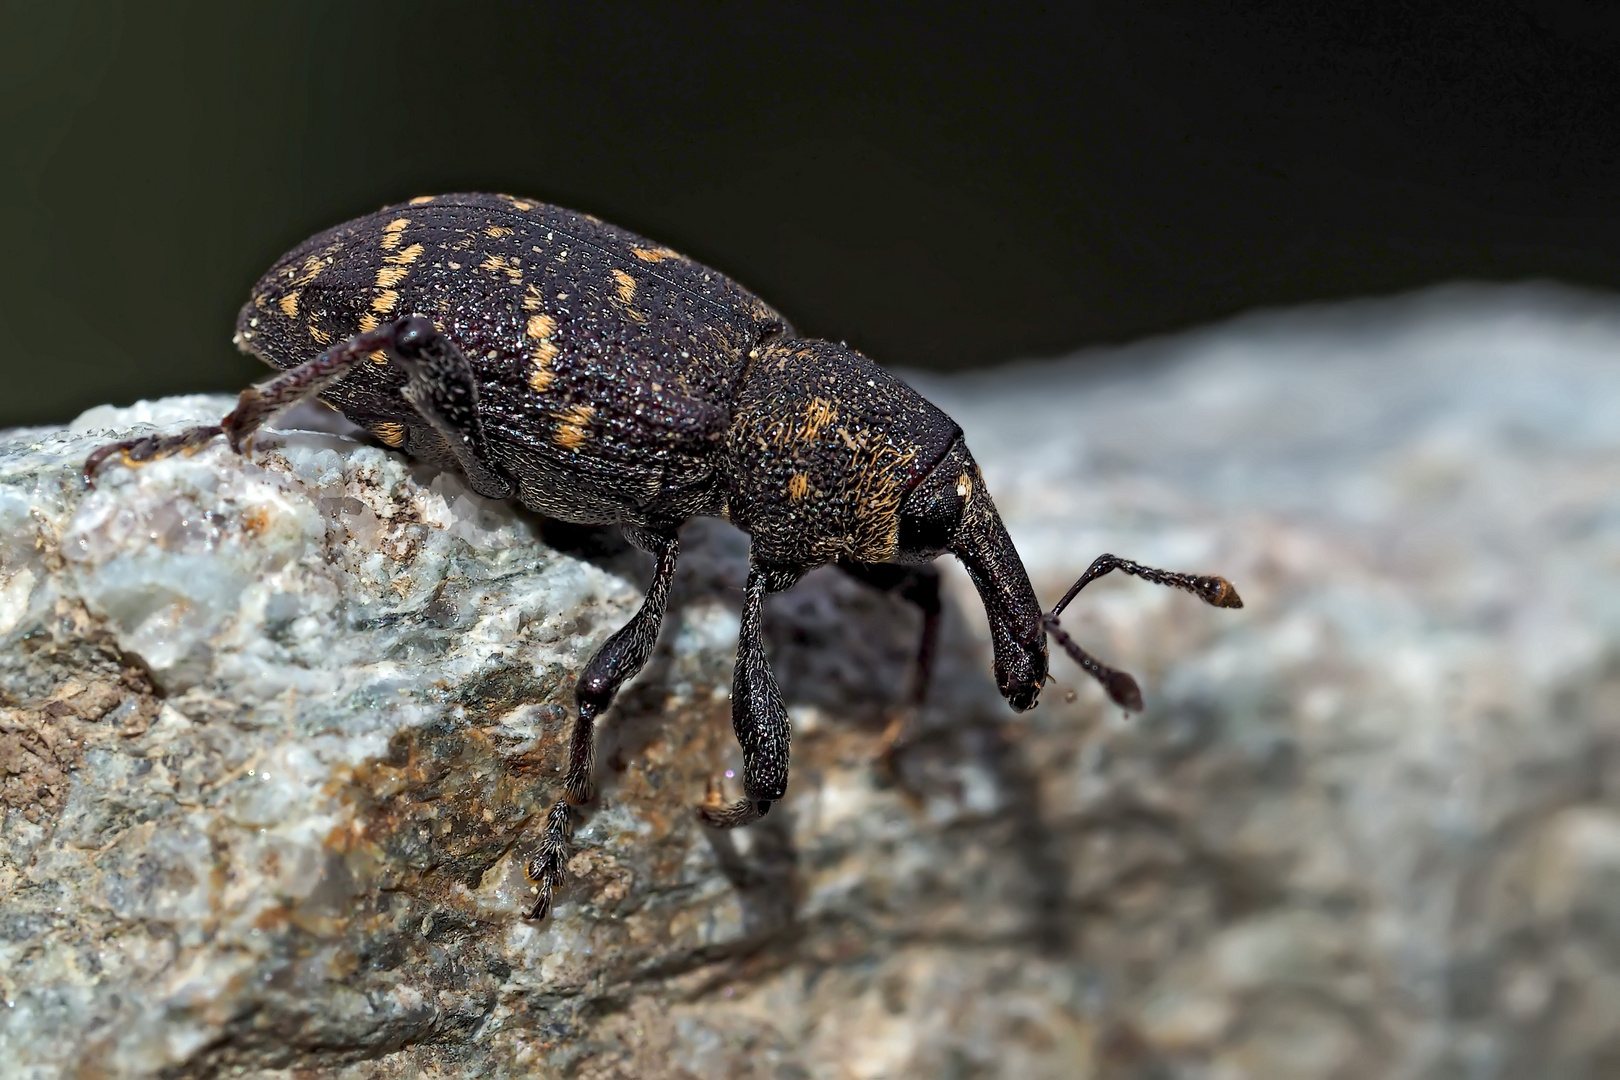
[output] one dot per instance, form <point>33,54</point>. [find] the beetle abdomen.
<point>605,363</point>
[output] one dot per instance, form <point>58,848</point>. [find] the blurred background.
<point>942,189</point>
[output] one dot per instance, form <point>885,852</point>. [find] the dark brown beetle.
<point>600,378</point>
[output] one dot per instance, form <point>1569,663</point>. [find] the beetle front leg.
<point>757,713</point>
<point>255,405</point>
<point>919,586</point>
<point>618,660</point>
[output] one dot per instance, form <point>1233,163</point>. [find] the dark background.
<point>940,189</point>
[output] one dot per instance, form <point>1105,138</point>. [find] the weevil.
<point>600,378</point>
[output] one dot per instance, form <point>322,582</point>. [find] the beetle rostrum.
<point>600,378</point>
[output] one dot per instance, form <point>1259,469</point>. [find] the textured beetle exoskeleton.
<point>601,378</point>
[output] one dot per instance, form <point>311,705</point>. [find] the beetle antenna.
<point>1213,590</point>
<point>1209,588</point>
<point>1119,685</point>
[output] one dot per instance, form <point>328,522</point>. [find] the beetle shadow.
<point>838,647</point>
<point>848,652</point>
<point>603,546</point>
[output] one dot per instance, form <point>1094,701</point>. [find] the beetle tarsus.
<point>148,448</point>
<point>735,814</point>
<point>758,716</point>
<point>254,406</point>
<point>546,869</point>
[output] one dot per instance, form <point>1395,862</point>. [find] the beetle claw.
<point>719,813</point>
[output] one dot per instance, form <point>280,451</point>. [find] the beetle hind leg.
<point>150,448</point>
<point>619,658</point>
<point>442,389</point>
<point>254,406</point>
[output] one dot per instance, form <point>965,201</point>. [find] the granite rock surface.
<point>275,733</point>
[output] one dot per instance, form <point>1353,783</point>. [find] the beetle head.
<point>831,457</point>
<point>950,510</point>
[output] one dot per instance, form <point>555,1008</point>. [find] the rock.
<point>274,734</point>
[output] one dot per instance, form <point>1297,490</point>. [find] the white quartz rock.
<point>274,733</point>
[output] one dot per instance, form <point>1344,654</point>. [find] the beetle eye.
<point>930,516</point>
<point>929,531</point>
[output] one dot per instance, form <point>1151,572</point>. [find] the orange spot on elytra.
<point>389,433</point>
<point>571,426</point>
<point>392,232</point>
<point>540,374</point>
<point>626,286</point>
<point>541,327</point>
<point>497,264</point>
<point>405,256</point>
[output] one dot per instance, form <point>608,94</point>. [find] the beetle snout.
<point>1020,680</point>
<point>1016,632</point>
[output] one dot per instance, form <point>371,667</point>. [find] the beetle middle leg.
<point>619,658</point>
<point>758,716</point>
